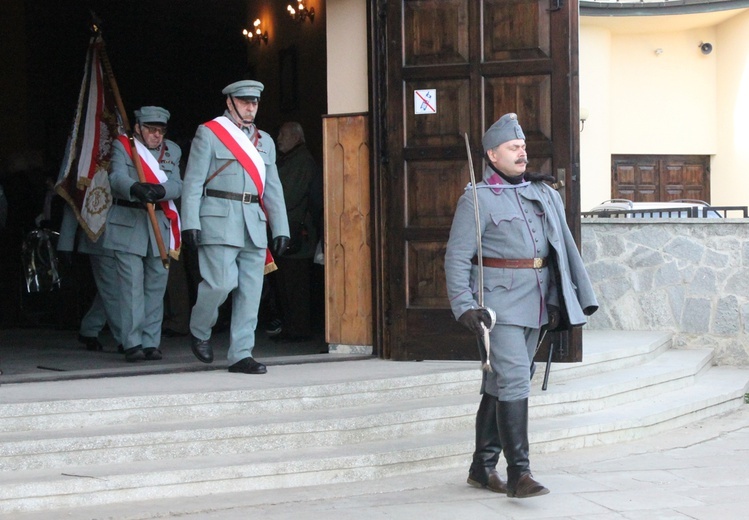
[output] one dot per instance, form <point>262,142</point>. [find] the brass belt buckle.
<point>246,198</point>
<point>538,263</point>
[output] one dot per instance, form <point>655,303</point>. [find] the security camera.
<point>706,48</point>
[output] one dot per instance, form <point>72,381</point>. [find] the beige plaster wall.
<point>595,138</point>
<point>730,166</point>
<point>663,104</point>
<point>650,103</point>
<point>347,56</point>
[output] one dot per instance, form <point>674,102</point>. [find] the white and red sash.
<point>244,151</point>
<point>155,175</point>
<point>242,148</point>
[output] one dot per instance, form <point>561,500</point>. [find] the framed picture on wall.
<point>288,80</point>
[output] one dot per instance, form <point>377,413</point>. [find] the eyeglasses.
<point>155,129</point>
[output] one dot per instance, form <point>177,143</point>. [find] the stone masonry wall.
<point>687,276</point>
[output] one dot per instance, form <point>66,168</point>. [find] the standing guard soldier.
<point>232,192</point>
<point>129,232</point>
<point>523,233</point>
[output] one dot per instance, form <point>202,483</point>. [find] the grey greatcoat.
<point>517,222</point>
<point>233,235</point>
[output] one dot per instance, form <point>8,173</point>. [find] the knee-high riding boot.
<point>483,472</point>
<point>513,432</point>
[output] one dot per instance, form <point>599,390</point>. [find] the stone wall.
<point>688,276</point>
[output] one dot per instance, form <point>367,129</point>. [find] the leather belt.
<point>509,263</point>
<point>246,198</point>
<point>134,205</point>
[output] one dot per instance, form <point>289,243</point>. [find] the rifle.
<point>150,208</point>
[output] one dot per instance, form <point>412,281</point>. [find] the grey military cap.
<point>152,115</point>
<point>245,89</point>
<point>505,129</point>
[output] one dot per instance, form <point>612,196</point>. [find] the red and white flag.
<point>83,180</point>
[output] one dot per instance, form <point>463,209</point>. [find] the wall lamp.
<point>255,35</point>
<point>583,118</point>
<point>301,13</point>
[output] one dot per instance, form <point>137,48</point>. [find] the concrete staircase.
<point>115,440</point>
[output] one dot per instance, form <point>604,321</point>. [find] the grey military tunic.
<point>517,222</point>
<point>130,235</point>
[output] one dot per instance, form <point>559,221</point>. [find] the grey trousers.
<point>142,285</point>
<point>105,308</point>
<point>225,269</point>
<point>512,351</point>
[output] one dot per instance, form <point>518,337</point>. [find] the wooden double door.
<point>660,178</point>
<point>442,68</point>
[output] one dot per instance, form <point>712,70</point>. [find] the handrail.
<point>686,212</point>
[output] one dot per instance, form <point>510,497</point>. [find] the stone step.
<point>117,401</point>
<point>281,397</point>
<point>236,435</point>
<point>335,426</point>
<point>605,351</point>
<point>716,391</point>
<point>671,370</point>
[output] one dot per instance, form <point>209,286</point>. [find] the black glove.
<point>191,238</point>
<point>473,318</point>
<point>147,192</point>
<point>555,317</point>
<point>280,245</point>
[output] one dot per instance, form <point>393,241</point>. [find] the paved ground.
<point>698,472</point>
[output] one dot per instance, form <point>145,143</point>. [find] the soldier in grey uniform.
<point>230,197</point>
<point>105,307</point>
<point>129,233</point>
<point>523,233</point>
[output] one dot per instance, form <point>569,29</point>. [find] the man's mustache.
<point>522,160</point>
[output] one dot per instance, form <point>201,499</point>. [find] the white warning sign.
<point>425,101</point>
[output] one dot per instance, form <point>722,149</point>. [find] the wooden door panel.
<point>507,38</point>
<point>647,174</point>
<point>625,174</point>
<point>427,207</point>
<point>348,267</point>
<point>446,127</point>
<point>427,287</point>
<point>647,182</point>
<point>436,32</point>
<point>694,175</point>
<point>529,97</point>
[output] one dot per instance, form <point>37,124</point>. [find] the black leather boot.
<point>513,432</point>
<point>483,472</point>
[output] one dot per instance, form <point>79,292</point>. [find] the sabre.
<point>486,366</point>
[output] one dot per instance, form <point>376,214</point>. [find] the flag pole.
<point>136,158</point>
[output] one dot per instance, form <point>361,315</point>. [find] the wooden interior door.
<point>469,61</point>
<point>660,178</point>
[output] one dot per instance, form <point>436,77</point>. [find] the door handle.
<point>555,5</point>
